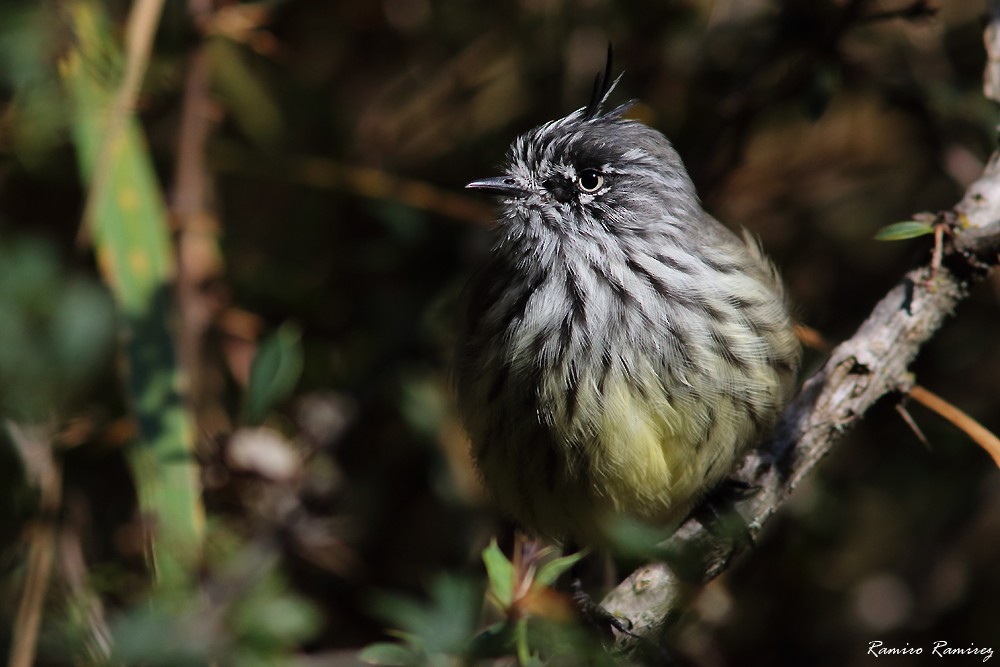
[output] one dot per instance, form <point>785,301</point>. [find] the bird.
<point>619,349</point>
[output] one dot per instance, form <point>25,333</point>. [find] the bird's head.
<point>594,170</point>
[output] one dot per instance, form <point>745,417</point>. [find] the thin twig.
<point>199,260</point>
<point>911,422</point>
<point>976,431</point>
<point>362,181</point>
<point>35,447</point>
<point>918,10</point>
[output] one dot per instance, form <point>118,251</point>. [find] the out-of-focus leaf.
<point>443,624</point>
<point>636,538</point>
<point>132,243</point>
<point>277,621</point>
<point>56,332</point>
<point>29,274</point>
<point>275,372</point>
<point>500,573</point>
<point>151,636</point>
<point>243,93</point>
<point>24,42</point>
<point>82,331</point>
<point>494,641</point>
<point>385,653</point>
<point>254,616</point>
<point>548,573</point>
<point>36,123</point>
<point>900,231</point>
<point>423,403</point>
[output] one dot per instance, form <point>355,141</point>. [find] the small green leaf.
<point>548,573</point>
<point>900,231</point>
<point>500,572</point>
<point>274,373</point>
<point>385,653</point>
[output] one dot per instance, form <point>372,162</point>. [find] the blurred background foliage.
<point>312,157</point>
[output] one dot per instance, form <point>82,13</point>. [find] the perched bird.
<point>620,348</point>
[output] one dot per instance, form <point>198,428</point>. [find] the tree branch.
<point>872,364</point>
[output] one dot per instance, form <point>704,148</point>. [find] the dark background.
<point>811,122</point>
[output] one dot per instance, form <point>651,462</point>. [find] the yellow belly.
<point>632,452</point>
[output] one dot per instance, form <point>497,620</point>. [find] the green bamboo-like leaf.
<point>131,239</point>
<point>500,573</point>
<point>900,231</point>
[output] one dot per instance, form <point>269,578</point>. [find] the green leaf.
<point>82,332</point>
<point>153,636</point>
<point>275,372</point>
<point>900,231</point>
<point>276,620</point>
<point>500,572</point>
<point>548,573</point>
<point>385,653</point>
<point>445,623</point>
<point>132,241</point>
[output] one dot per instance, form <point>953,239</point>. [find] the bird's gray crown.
<point>594,168</point>
<point>601,161</point>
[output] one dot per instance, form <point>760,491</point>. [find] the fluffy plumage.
<point>621,347</point>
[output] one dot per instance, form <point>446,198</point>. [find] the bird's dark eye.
<point>590,180</point>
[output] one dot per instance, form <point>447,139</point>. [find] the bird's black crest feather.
<point>603,85</point>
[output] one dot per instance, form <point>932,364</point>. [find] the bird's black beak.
<point>499,185</point>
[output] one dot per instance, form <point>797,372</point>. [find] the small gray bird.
<point>621,348</point>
